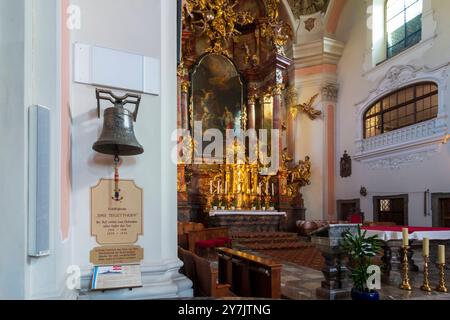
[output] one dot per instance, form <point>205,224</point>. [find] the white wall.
<point>29,76</point>
<point>414,179</point>
<point>310,141</point>
<point>12,154</point>
<point>144,27</point>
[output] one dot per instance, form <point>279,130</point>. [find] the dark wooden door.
<point>445,213</point>
<point>348,209</point>
<point>391,210</point>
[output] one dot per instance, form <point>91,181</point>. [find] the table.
<point>214,213</point>
<point>392,245</point>
<point>247,221</point>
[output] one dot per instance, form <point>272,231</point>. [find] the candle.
<point>211,187</point>
<point>273,190</point>
<point>426,247</point>
<point>226,187</point>
<point>405,237</point>
<point>441,255</point>
<point>218,186</point>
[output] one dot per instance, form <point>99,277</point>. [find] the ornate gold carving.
<point>181,70</point>
<point>185,86</point>
<point>299,176</point>
<point>308,108</point>
<point>307,7</point>
<point>276,30</point>
<point>191,112</point>
<point>278,89</point>
<point>217,19</point>
<point>286,159</point>
<point>244,118</point>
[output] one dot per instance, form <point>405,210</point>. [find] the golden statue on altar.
<point>236,69</point>
<point>299,176</point>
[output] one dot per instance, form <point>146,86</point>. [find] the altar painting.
<point>217,94</point>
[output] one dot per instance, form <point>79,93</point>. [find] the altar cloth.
<point>245,213</point>
<point>387,233</point>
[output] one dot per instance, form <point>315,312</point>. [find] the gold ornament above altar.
<point>278,31</point>
<point>218,20</point>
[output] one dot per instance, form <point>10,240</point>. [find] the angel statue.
<point>286,159</point>
<point>300,176</point>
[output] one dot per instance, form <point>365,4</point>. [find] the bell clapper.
<point>117,196</point>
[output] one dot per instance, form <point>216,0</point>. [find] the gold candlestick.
<point>426,282</point>
<point>405,270</point>
<point>442,287</point>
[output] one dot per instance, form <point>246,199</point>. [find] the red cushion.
<point>205,244</point>
<point>356,218</point>
<point>220,242</point>
<point>227,240</point>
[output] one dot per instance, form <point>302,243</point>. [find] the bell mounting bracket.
<point>128,98</point>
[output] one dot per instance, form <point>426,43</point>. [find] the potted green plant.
<point>255,204</point>
<point>215,203</point>
<point>234,204</point>
<point>272,204</point>
<point>361,249</point>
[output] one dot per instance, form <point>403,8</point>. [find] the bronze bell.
<point>118,138</point>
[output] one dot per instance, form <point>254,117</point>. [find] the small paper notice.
<point>116,277</point>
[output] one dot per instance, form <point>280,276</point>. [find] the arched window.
<point>405,107</point>
<point>403,25</point>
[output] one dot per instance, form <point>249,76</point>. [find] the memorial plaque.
<point>116,255</point>
<point>116,222</point>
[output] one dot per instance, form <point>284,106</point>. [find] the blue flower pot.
<point>365,296</point>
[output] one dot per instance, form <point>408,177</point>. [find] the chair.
<point>207,280</point>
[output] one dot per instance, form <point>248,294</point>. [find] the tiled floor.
<point>300,283</point>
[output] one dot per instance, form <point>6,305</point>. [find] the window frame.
<point>398,106</point>
<point>405,25</point>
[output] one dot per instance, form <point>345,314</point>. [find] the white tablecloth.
<point>245,213</point>
<point>419,235</point>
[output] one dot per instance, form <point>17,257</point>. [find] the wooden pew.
<point>207,280</point>
<point>183,230</point>
<point>188,268</point>
<point>249,275</point>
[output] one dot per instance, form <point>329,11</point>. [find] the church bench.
<point>207,280</point>
<point>203,276</point>
<point>249,275</point>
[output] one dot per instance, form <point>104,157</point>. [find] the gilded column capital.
<point>185,85</point>
<point>278,89</point>
<point>252,100</point>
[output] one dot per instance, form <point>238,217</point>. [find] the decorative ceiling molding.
<point>308,7</point>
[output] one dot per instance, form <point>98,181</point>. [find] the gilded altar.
<point>234,79</point>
